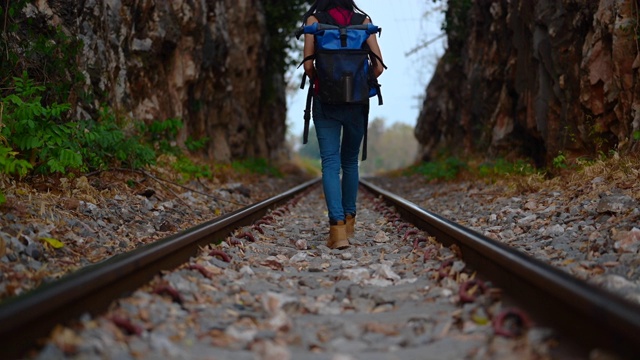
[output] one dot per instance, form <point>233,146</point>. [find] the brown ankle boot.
<point>338,236</point>
<point>351,224</point>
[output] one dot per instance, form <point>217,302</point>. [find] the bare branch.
<point>424,45</point>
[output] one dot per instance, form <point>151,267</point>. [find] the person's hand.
<point>310,70</point>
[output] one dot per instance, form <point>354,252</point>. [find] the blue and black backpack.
<point>343,63</point>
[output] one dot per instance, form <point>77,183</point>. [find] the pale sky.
<point>405,24</point>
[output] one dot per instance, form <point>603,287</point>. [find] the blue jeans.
<point>330,121</point>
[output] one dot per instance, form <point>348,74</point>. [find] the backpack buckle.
<point>343,37</point>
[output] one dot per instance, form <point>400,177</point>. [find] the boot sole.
<point>340,245</point>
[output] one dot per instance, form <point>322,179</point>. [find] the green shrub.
<point>195,145</point>
<point>162,135</point>
<point>37,131</point>
<point>447,169</point>
<point>189,170</point>
<point>44,140</point>
<point>560,161</point>
<point>45,52</point>
<point>451,168</point>
<point>104,145</point>
<point>501,167</point>
<point>11,165</point>
<point>255,166</point>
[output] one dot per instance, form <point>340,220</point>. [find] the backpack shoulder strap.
<point>325,18</point>
<point>358,19</point>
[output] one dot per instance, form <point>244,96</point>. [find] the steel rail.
<point>25,319</point>
<point>586,315</point>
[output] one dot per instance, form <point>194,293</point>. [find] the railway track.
<point>593,317</point>
<point>25,319</point>
<point>271,275</point>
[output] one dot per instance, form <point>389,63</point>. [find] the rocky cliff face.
<point>200,61</point>
<point>536,78</point>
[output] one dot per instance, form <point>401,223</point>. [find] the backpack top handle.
<point>319,28</point>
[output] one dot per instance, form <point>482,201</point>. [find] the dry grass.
<point>584,180</point>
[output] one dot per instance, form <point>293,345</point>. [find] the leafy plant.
<point>255,166</point>
<point>585,161</point>
<point>162,134</point>
<point>283,18</point>
<point>447,169</point>
<point>189,170</point>
<point>32,45</point>
<point>456,26</point>
<point>455,20</point>
<point>194,145</point>
<point>560,161</point>
<point>39,131</point>
<point>49,144</point>
<point>636,135</point>
<point>502,167</point>
<point>104,144</point>
<point>10,164</point>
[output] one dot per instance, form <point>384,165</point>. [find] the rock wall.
<point>536,78</point>
<point>202,61</point>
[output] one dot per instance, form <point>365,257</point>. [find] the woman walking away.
<point>333,118</point>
